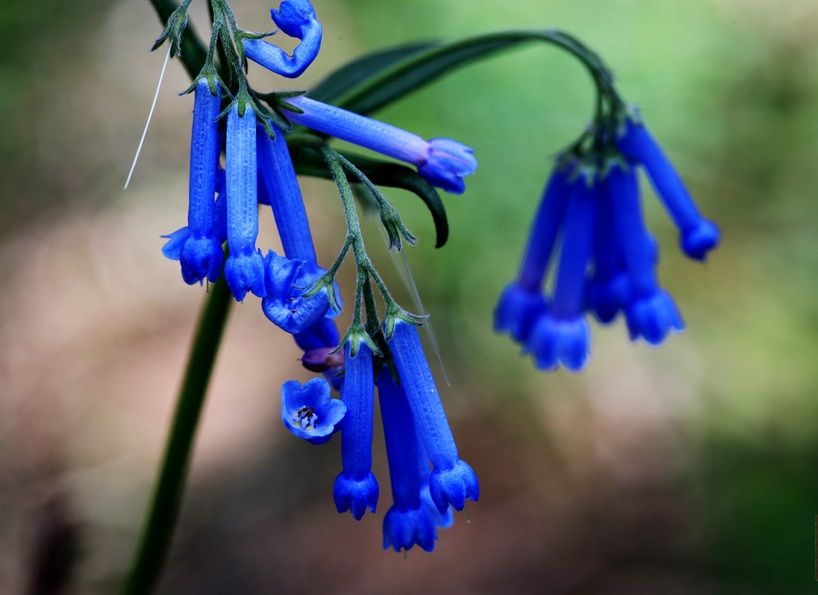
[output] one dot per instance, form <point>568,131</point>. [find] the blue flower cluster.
<point>428,477</point>
<point>607,258</point>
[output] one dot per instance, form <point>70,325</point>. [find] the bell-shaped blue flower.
<point>297,19</point>
<point>522,301</point>
<point>442,162</point>
<point>561,335</point>
<point>284,302</point>
<point>308,411</point>
<point>697,235</point>
<point>244,269</point>
<point>650,313</point>
<point>408,522</point>
<point>356,489</point>
<point>452,481</point>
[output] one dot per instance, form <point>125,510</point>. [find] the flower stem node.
<point>517,310</point>
<point>653,317</point>
<point>308,411</point>
<point>447,163</point>
<point>555,342</point>
<point>355,495</point>
<point>285,302</point>
<point>403,528</point>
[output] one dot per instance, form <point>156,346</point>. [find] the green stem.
<point>194,53</point>
<point>157,529</point>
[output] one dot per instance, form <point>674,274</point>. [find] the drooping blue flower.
<point>452,481</point>
<point>284,303</point>
<point>698,236</point>
<point>560,335</point>
<point>522,301</point>
<point>356,489</point>
<point>408,522</point>
<point>280,184</point>
<point>244,269</point>
<point>201,254</point>
<point>308,411</point>
<point>650,313</point>
<point>297,19</point>
<point>441,161</point>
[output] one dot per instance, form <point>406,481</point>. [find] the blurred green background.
<point>692,468</point>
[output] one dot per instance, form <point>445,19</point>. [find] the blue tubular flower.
<point>244,270</point>
<point>561,336</point>
<point>284,303</point>
<point>280,185</point>
<point>522,301</point>
<point>452,480</point>
<point>407,522</point>
<point>297,19</point>
<point>308,411</point>
<point>698,235</point>
<point>442,162</point>
<point>201,253</point>
<point>356,488</point>
<point>651,313</point>
<point>609,288</point>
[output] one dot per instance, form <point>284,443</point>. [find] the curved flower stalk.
<point>441,161</point>
<point>297,19</point>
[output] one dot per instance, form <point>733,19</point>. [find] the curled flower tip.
<point>322,359</point>
<point>355,495</point>
<point>447,163</point>
<point>405,528</point>
<point>201,258</point>
<point>652,317</point>
<point>243,273</point>
<point>452,487</point>
<point>517,310</point>
<point>285,304</point>
<point>697,241</point>
<point>557,342</point>
<point>294,16</point>
<point>308,411</point>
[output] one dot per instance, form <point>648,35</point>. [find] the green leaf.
<point>378,87</point>
<point>309,162</point>
<point>357,71</point>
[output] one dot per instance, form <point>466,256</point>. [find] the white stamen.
<point>148,122</point>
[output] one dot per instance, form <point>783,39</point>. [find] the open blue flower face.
<point>308,411</point>
<point>285,303</point>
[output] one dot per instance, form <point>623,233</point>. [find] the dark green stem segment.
<point>158,527</point>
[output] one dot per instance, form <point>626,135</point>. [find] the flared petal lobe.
<point>308,411</point>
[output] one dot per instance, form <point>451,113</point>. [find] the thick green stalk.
<point>158,527</point>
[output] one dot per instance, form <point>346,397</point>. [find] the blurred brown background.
<point>687,469</point>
